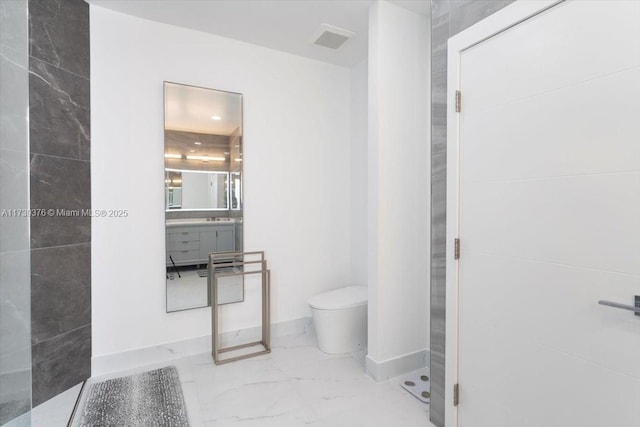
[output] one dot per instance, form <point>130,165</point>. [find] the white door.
<point>549,221</point>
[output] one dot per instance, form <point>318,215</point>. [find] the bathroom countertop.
<point>199,221</point>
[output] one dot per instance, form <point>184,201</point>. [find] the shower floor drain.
<point>418,384</point>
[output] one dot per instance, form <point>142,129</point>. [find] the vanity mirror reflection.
<point>203,190</point>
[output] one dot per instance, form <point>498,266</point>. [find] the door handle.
<point>635,309</point>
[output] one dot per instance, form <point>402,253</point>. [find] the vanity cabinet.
<point>222,240</point>
<point>192,244</point>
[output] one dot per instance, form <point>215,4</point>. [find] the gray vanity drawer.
<point>183,245</point>
<point>181,256</point>
<point>183,236</point>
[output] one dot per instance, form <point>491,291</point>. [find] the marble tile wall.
<point>448,17</point>
<point>15,315</point>
<point>60,178</point>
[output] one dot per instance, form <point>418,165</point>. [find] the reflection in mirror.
<point>196,190</point>
<point>236,191</point>
<point>203,189</point>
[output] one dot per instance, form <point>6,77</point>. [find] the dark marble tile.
<point>58,183</point>
<point>439,308</point>
<point>439,88</point>
<point>441,31</point>
<point>439,39</point>
<point>438,269</point>
<point>438,241</point>
<point>438,201</point>
<point>437,404</point>
<point>438,338</point>
<point>438,189</point>
<point>439,61</point>
<point>439,115</point>
<point>438,345</point>
<point>60,363</point>
<point>438,262</point>
<point>438,312</point>
<point>439,8</point>
<point>438,276</point>
<point>465,13</point>
<point>59,112</point>
<point>60,290</point>
<point>438,170</point>
<point>59,34</point>
<point>438,140</point>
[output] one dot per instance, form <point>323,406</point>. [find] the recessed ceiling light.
<point>216,118</point>
<point>173,156</point>
<point>192,151</point>
<point>226,153</point>
<point>198,143</point>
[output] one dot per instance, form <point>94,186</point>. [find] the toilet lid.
<point>351,296</point>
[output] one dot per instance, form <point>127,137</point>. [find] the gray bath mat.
<point>418,384</point>
<point>152,398</point>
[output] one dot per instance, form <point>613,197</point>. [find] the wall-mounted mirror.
<point>203,189</point>
<point>196,190</point>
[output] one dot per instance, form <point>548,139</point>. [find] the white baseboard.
<point>390,368</point>
<point>123,361</point>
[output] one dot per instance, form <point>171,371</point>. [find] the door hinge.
<point>456,395</point>
<point>456,249</point>
<point>458,101</point>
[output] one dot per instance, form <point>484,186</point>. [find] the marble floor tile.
<point>295,385</point>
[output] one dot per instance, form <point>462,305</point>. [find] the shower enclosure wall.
<point>15,271</point>
<point>45,257</point>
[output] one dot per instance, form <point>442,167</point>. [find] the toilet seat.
<point>348,297</point>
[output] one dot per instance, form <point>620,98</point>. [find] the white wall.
<point>358,182</point>
<point>194,185</point>
<point>297,130</point>
<point>398,186</point>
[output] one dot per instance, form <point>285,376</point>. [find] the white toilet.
<point>340,319</point>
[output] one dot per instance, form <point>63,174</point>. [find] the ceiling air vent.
<point>332,37</point>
